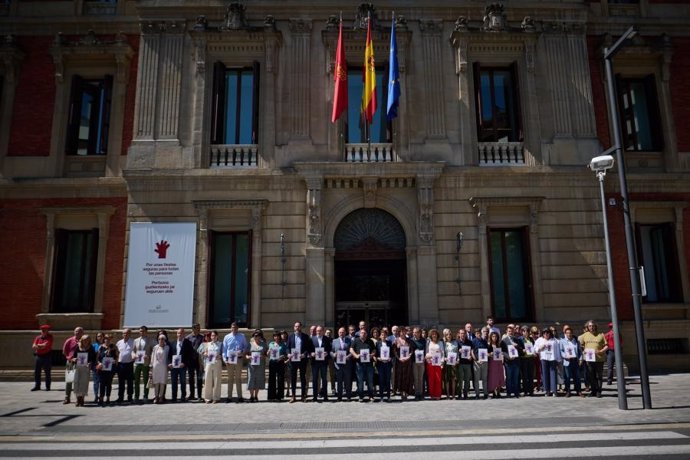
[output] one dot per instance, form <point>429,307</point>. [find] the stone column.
<point>170,81</point>
<point>316,291</point>
<point>299,79</point>
<point>412,286</point>
<point>147,82</point>
<point>201,154</point>
<point>201,298</point>
<point>435,100</point>
<point>257,251</point>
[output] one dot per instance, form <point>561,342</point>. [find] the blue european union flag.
<point>393,78</point>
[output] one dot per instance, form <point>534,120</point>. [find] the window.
<point>229,299</point>
<point>511,297</point>
<point>380,128</point>
<point>235,104</point>
<point>89,117</point>
<point>75,271</point>
<point>639,114</point>
<point>658,255</point>
<point>498,107</point>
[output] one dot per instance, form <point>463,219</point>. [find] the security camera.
<point>601,163</point>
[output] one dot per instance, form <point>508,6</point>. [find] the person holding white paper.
<point>549,354</point>
<point>160,358</point>
<point>143,347</point>
<point>125,367</point>
<point>365,369</point>
<point>109,351</point>
<point>434,354</point>
<point>384,363</point>
<point>235,345</point>
<point>277,357</point>
<point>450,370</point>
<point>481,366</point>
<point>256,371</point>
<point>464,363</point>
<point>418,343</point>
<point>404,375</point>
<point>319,364</point>
<point>512,348</point>
<point>302,344</point>
<point>211,352</point>
<point>596,342</point>
<point>340,355</point>
<point>527,363</point>
<point>85,360</point>
<point>572,355</point>
<point>183,356</point>
<point>496,372</point>
<point>69,348</point>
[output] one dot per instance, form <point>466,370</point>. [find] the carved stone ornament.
<point>201,23</point>
<point>332,22</point>
<point>364,11</point>
<point>235,17</point>
<point>270,22</point>
<point>314,210</point>
<point>400,22</point>
<point>528,25</point>
<point>495,19</point>
<point>461,24</point>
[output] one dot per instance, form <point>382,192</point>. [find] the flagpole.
<point>368,125</point>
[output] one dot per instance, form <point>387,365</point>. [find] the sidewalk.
<point>41,414</point>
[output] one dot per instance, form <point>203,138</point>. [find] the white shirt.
<point>125,348</point>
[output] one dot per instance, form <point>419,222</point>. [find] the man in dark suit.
<point>302,344</point>
<point>319,364</point>
<point>343,372</point>
<point>182,347</point>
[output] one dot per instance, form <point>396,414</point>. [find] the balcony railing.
<point>235,156</point>
<point>379,153</point>
<point>100,7</point>
<point>501,154</point>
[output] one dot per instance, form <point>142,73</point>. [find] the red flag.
<point>369,90</point>
<point>340,79</point>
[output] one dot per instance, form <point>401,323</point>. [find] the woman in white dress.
<point>159,374</point>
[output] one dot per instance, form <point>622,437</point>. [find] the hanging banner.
<point>160,274</point>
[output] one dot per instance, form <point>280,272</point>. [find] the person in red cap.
<point>42,347</point>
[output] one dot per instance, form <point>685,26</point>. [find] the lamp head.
<point>601,163</point>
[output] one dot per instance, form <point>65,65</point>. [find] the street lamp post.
<point>609,53</point>
<point>600,165</point>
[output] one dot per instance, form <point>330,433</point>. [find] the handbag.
<point>69,376</point>
<point>149,384</point>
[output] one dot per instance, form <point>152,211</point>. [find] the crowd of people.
<point>368,364</point>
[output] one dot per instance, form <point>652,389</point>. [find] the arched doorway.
<point>370,269</point>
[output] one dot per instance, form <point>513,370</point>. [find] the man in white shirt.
<point>125,368</point>
<point>143,346</point>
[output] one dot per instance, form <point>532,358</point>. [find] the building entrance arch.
<point>370,269</point>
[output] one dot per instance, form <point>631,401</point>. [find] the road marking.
<point>246,446</point>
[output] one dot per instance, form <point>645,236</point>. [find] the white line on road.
<point>245,446</point>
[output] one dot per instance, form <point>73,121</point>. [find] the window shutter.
<point>517,106</point>
<point>72,140</point>
<point>107,102</point>
<point>476,69</point>
<point>654,112</point>
<point>255,103</point>
<point>218,104</point>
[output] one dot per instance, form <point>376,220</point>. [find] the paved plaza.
<point>37,424</point>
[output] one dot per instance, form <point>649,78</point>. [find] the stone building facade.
<point>474,201</point>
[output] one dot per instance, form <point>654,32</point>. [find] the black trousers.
<point>276,378</point>
<point>42,363</point>
<point>319,378</point>
<point>125,374</point>
<point>196,380</point>
<point>302,367</point>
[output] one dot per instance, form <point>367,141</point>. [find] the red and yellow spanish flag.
<point>369,87</point>
<point>340,78</point>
